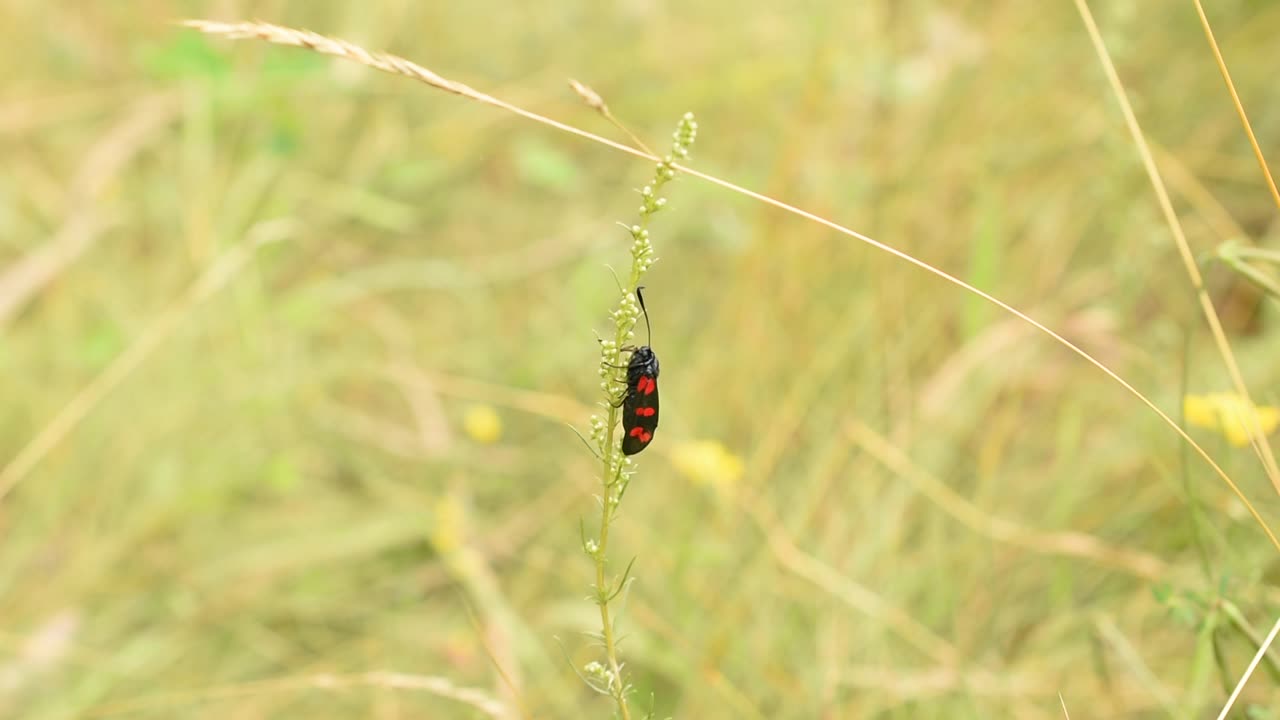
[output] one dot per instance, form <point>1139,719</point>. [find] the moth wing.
<point>639,415</point>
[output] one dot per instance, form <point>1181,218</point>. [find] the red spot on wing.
<point>646,412</point>
<point>646,385</point>
<point>640,434</point>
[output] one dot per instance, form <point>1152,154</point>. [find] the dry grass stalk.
<point>441,687</point>
<point>1065,543</point>
<point>25,278</point>
<point>385,62</point>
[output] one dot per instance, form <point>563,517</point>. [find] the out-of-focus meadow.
<point>289,347</point>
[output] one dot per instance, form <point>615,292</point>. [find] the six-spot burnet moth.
<point>640,403</point>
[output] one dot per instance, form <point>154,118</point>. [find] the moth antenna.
<point>647,329</point>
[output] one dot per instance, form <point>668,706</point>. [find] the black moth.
<point>640,403</point>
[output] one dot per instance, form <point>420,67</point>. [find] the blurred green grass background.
<point>275,481</point>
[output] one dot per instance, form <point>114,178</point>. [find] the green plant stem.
<point>618,688</point>
<point>1237,258</point>
<point>614,476</point>
<point>1255,638</point>
<point>610,478</point>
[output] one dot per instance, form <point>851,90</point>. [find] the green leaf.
<point>284,64</point>
<point>282,473</point>
<point>1185,615</point>
<point>285,137</point>
<point>545,166</point>
<point>1162,591</point>
<point>185,55</point>
<point>100,345</point>
<point>1258,712</point>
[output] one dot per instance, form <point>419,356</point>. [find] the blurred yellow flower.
<point>707,462</point>
<point>1230,415</point>
<point>482,424</point>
